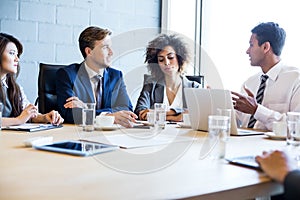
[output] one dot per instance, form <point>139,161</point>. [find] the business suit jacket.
<point>292,185</point>
<point>153,92</point>
<point>73,80</point>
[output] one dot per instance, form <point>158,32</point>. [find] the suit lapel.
<point>84,80</point>
<point>106,85</point>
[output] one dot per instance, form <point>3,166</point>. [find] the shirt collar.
<point>92,73</point>
<point>274,71</point>
<point>3,81</point>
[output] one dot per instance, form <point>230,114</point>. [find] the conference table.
<point>168,171</point>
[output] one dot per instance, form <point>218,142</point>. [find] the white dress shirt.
<point>177,102</point>
<point>25,101</point>
<point>91,73</point>
<point>282,95</point>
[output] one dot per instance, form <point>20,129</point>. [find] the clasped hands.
<point>31,112</point>
<point>171,115</point>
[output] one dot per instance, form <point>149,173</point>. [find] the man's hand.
<point>243,103</point>
<point>124,118</point>
<point>54,118</point>
<point>73,102</point>
<point>276,164</point>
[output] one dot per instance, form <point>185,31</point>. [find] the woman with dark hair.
<point>16,107</point>
<point>166,56</point>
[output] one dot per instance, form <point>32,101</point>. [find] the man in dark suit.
<point>282,168</point>
<point>78,83</point>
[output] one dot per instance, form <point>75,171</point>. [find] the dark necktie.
<point>259,97</point>
<point>98,92</point>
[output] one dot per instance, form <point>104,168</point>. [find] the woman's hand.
<point>53,117</point>
<point>143,114</point>
<point>28,113</point>
<point>174,118</point>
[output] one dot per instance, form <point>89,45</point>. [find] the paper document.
<point>144,140</point>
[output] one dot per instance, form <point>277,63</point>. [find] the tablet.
<point>78,148</point>
<point>245,161</point>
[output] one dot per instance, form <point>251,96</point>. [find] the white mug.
<point>186,119</point>
<point>105,120</point>
<point>280,128</point>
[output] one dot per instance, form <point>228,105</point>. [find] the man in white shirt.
<point>279,93</point>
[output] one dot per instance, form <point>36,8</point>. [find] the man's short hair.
<point>89,36</point>
<point>270,32</point>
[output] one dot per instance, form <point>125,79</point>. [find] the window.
<point>226,30</point>
<point>176,19</point>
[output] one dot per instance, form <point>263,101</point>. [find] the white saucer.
<point>272,136</point>
<point>145,123</point>
<point>106,128</point>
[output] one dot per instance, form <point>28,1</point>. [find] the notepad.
<point>31,127</point>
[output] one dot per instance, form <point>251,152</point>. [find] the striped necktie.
<point>259,97</point>
<point>98,92</point>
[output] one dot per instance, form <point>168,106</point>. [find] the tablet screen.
<point>81,148</point>
<point>246,161</point>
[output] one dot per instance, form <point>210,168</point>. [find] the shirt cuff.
<point>262,113</point>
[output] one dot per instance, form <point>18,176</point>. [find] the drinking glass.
<point>150,117</point>
<point>293,131</point>
<point>88,117</point>
<point>160,111</point>
<point>225,112</point>
<point>218,128</point>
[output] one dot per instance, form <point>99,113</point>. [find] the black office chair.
<point>47,99</point>
<point>197,78</point>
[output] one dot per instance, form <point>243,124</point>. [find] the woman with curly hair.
<point>166,58</point>
<point>16,107</point>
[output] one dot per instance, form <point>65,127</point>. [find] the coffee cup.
<point>186,119</point>
<point>105,120</point>
<point>280,128</point>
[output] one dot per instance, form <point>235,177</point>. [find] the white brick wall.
<point>37,12</point>
<point>49,29</point>
<point>9,11</point>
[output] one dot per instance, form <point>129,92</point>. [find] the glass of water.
<point>160,111</point>
<point>88,116</point>
<point>293,124</point>
<point>218,128</point>
<point>226,112</point>
<point>293,135</point>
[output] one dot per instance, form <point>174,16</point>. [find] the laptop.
<point>204,102</point>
